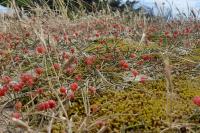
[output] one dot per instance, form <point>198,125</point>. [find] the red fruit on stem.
<point>63,90</point>
<point>52,104</point>
<point>78,77</point>
<point>16,58</point>
<point>196,100</point>
<point>46,105</point>
<point>143,79</point>
<point>123,64</point>
<point>18,105</point>
<point>146,57</point>
<point>39,70</point>
<point>3,90</point>
<point>133,56</point>
<point>141,62</point>
<point>56,66</point>
<point>97,35</point>
<point>18,86</point>
<point>2,93</point>
<point>74,86</point>
<point>134,73</point>
<point>72,50</point>
<point>27,79</point>
<point>65,55</point>
<point>40,49</point>
<point>90,60</point>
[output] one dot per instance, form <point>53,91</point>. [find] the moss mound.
<point>143,107</point>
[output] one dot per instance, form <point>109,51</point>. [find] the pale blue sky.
<point>182,5</point>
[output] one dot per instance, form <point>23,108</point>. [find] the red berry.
<point>123,64</point>
<point>40,49</point>
<point>134,73</point>
<point>46,105</point>
<point>63,90</point>
<point>72,50</point>
<point>18,105</point>
<point>52,104</point>
<point>90,60</point>
<point>39,70</point>
<point>27,79</point>
<point>16,58</point>
<point>18,86</point>
<point>146,57</point>
<point>56,66</point>
<point>141,62</point>
<point>196,100</point>
<point>133,56</point>
<point>74,86</point>
<point>143,79</point>
<point>65,55</point>
<point>5,88</point>
<point>78,77</point>
<point>3,91</point>
<point>97,35</point>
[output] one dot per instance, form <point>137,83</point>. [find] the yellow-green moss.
<point>143,105</point>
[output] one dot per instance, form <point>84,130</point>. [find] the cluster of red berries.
<point>6,81</point>
<point>18,86</point>
<point>73,87</point>
<point>50,104</point>
<point>123,64</point>
<point>27,79</point>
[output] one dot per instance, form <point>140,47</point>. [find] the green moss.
<point>143,106</point>
<point>58,128</point>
